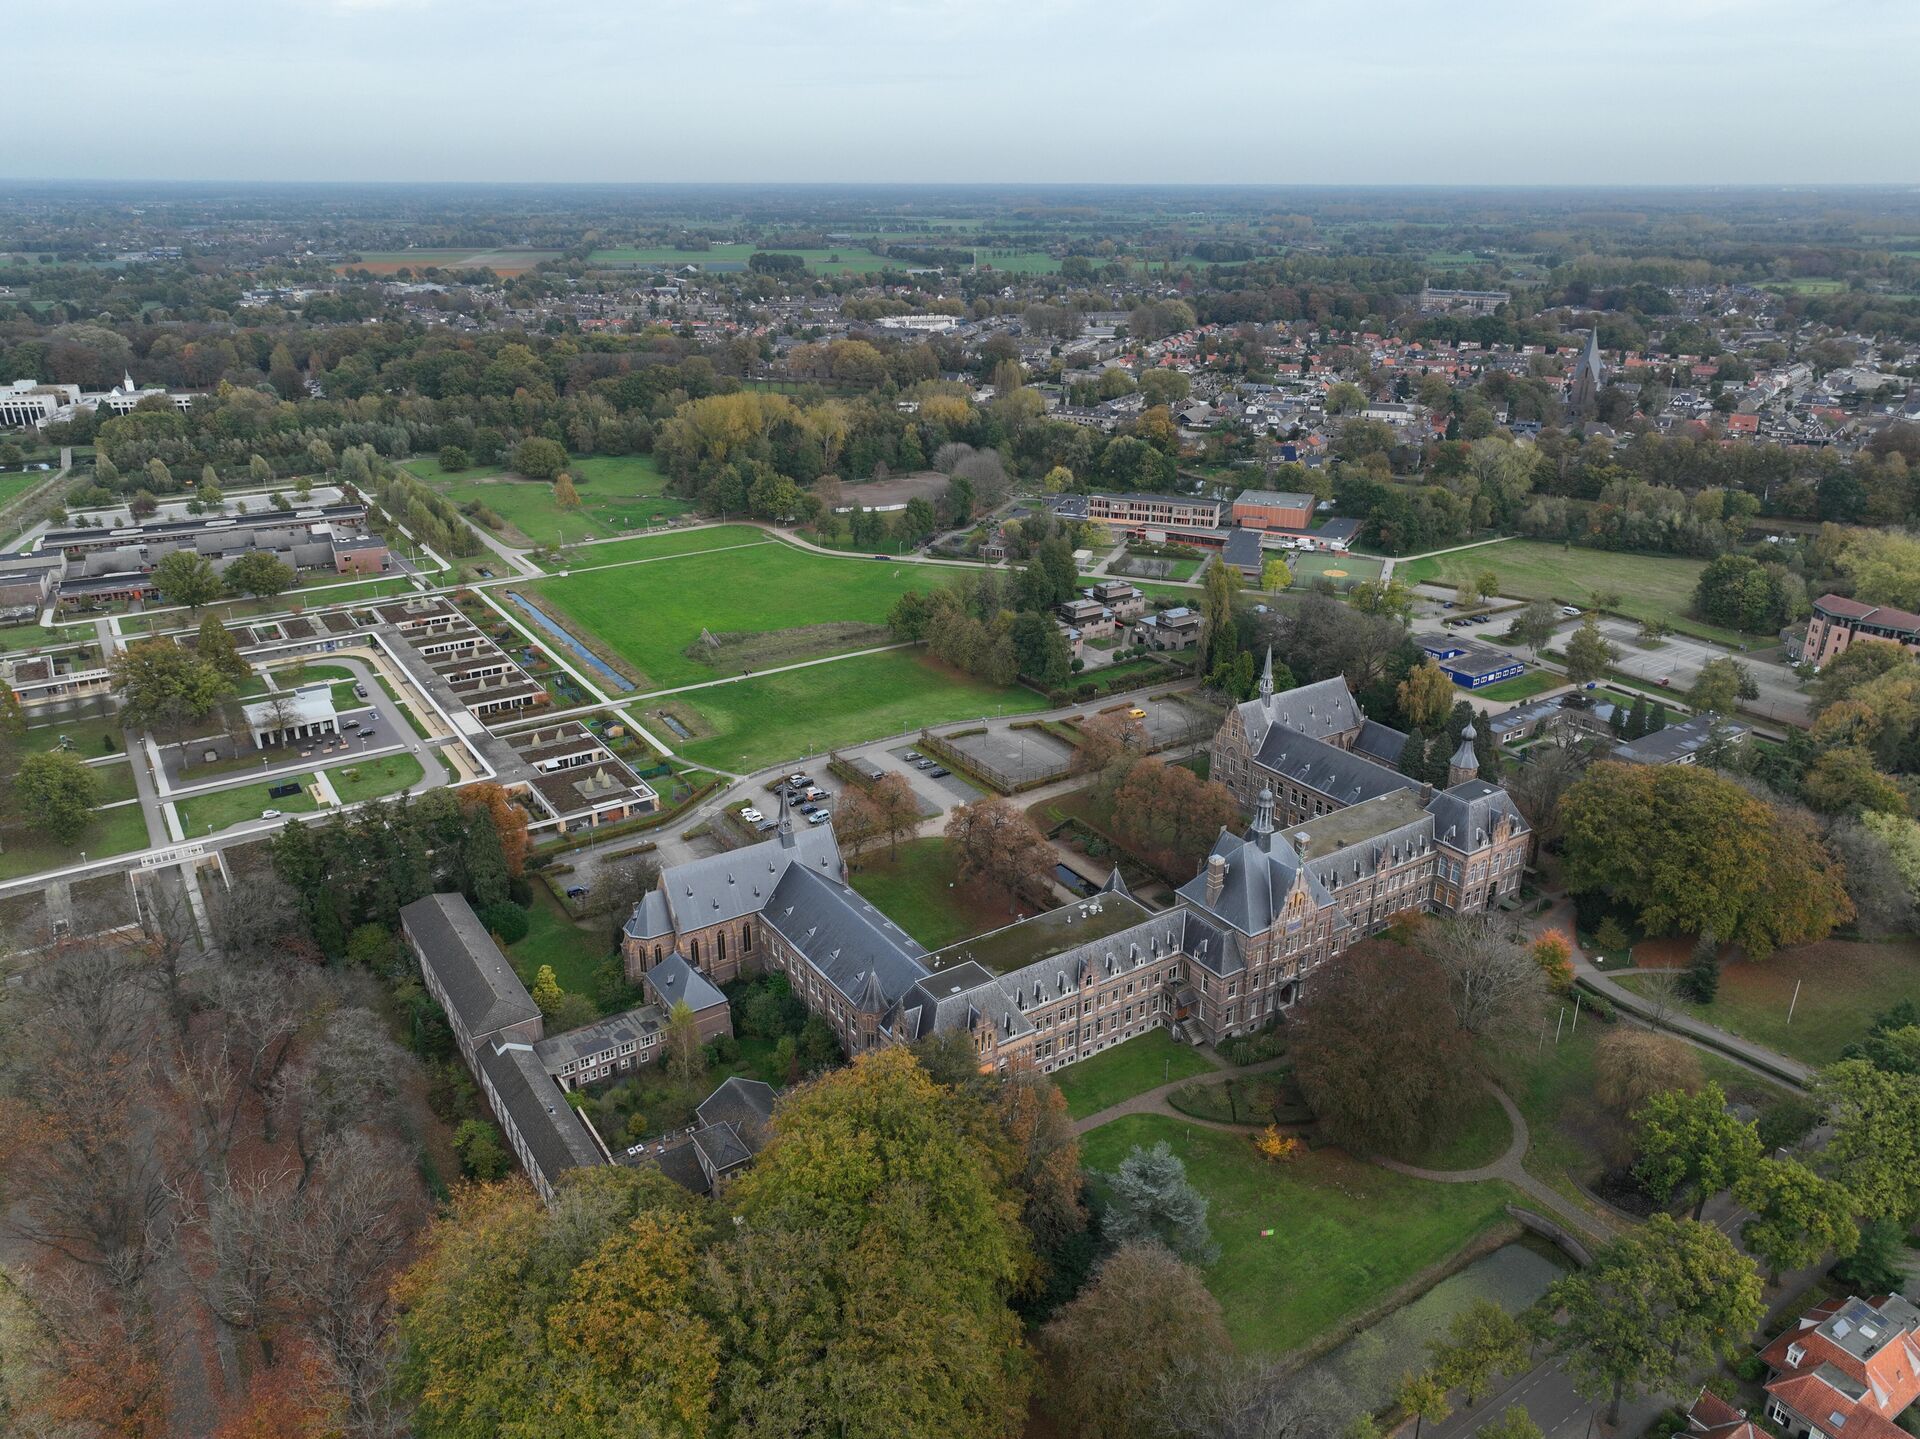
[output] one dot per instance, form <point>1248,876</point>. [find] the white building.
<point>292,716</point>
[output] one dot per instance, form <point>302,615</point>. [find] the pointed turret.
<point>1465,764</point>
<point>785,830</point>
<point>873,999</point>
<point>1266,677</point>
<point>1116,884</point>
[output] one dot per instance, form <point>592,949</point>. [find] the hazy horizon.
<point>1610,94</point>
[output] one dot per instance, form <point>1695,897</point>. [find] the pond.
<point>587,657</point>
<point>1362,1374</point>
<point>1076,882</point>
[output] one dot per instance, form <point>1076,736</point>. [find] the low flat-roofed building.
<point>576,779</point>
<point>29,581</point>
<point>291,716</point>
<point>1679,743</point>
<point>1127,601</point>
<point>1471,665</point>
<point>604,1049</point>
<point>1154,511</point>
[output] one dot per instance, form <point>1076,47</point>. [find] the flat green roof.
<point>1023,942</point>
<point>1349,826</point>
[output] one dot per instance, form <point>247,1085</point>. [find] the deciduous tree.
<point>55,793</point>
<point>186,578</point>
<point>1689,1140</point>
<point>1797,1216</point>
<point>1588,652</point>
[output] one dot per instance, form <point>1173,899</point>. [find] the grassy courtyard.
<point>1842,985</point>
<point>809,711</point>
<point>1345,1233</point>
<point>1521,687</point>
<point>1651,587</point>
<point>917,891</point>
<point>1146,1062</point>
<point>648,615</point>
<point>221,808</point>
<point>375,778</point>
<point>554,939</point>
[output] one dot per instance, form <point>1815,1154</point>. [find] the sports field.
<point>501,262</point>
<point>757,722</point>
<point>648,614</point>
<point>675,542</point>
<point>1649,586</point>
<point>617,493</point>
<point>1344,570</point>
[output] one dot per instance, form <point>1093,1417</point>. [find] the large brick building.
<point>1351,844</point>
<point>1837,622</point>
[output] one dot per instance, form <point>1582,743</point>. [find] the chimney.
<point>1216,877</point>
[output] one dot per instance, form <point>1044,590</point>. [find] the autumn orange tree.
<point>509,821</point>
<point>995,843</point>
<point>1169,815</point>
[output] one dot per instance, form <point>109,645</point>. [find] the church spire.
<point>1266,677</point>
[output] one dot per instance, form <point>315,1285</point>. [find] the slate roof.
<point>555,1135</point>
<point>1341,775</point>
<point>1677,743</point>
<point>721,1147</point>
<point>651,919</point>
<point>674,980</point>
<point>1316,710</point>
<point>481,987</point>
<point>851,943</point>
<point>1381,742</point>
<point>746,1104</point>
<point>726,886</point>
<point>1262,871</point>
<point>1464,816</point>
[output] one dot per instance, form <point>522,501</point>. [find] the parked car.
<point>939,771</point>
<point>876,774</point>
<point>1570,612</point>
<point>578,891</point>
<point>360,690</point>
<point>819,816</point>
<point>1136,713</point>
<point>751,815</point>
<point>269,814</point>
<point>923,764</point>
<point>912,754</point>
<point>814,792</point>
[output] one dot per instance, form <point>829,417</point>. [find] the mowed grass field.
<point>649,614</point>
<point>1842,985</point>
<point>1345,1233</point>
<point>1650,586</point>
<point>916,889</point>
<point>756,722</point>
<point>1114,1075</point>
<point>617,493</point>
<point>501,262</point>
<point>838,260</point>
<point>655,547</point>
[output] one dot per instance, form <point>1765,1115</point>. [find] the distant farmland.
<point>501,262</point>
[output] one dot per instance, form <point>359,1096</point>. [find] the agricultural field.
<point>757,722</point>
<point>1651,587</point>
<point>617,493</point>
<point>766,604</point>
<point>502,262</point>
<point>1341,1234</point>
<point>839,260</point>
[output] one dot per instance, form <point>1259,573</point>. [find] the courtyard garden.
<point>1118,1074</point>
<point>918,890</point>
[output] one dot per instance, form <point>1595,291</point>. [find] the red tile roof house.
<point>1845,1370</point>
<point>1711,1417</point>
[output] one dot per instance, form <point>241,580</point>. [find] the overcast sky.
<point>1253,91</point>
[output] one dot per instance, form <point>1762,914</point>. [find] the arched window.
<point>746,939</point>
<point>720,947</point>
<point>693,953</point>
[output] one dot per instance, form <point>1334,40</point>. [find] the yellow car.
<point>1136,713</point>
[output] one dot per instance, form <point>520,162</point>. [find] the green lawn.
<point>1345,1233</point>
<point>808,711</point>
<point>1649,586</point>
<point>837,260</point>
<point>1142,1063</point>
<point>649,614</point>
<point>371,779</point>
<point>112,831</point>
<point>654,547</point>
<point>1842,985</point>
<point>89,734</point>
<point>218,809</point>
<point>916,891</point>
<point>555,939</point>
<point>116,781</point>
<point>37,637</point>
<point>1521,687</point>
<point>617,493</point>
<point>1344,570</point>
<point>1480,1137</point>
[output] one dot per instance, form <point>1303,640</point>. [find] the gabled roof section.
<point>674,981</point>
<point>1316,710</point>
<point>481,987</point>
<point>1261,871</point>
<point>1465,817</point>
<point>555,1135</point>
<point>844,937</point>
<point>724,887</point>
<point>1341,775</point>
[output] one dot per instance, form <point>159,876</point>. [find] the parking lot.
<point>1678,660</point>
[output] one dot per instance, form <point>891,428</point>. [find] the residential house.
<point>1846,1369</point>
